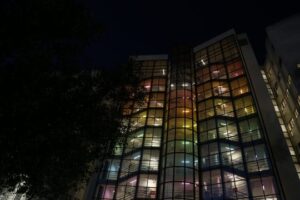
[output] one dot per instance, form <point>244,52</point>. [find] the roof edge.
<point>215,39</point>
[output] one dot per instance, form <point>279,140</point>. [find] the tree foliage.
<point>56,118</point>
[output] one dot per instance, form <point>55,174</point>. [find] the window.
<point>113,169</point>
<point>224,107</point>
<point>220,88</point>
<point>138,120</point>
<point>155,117</point>
<point>153,137</point>
<point>156,100</point>
<point>208,130</point>
<point>235,69</point>
<point>158,85</point>
<point>201,58</point>
<point>209,155</point>
<point>108,192</point>
<point>235,186</point>
<point>130,164</point>
<point>296,113</point>
<point>134,141</point>
<point>150,160</point>
<point>202,75</point>
<point>227,130</point>
<point>250,130</point>
<point>218,71</point>
<point>204,91</point>
<point>244,106</point>
<point>232,156</point>
<point>263,187</point>
<point>126,189</point>
<point>239,86</point>
<point>211,184</point>
<point>256,158</point>
<point>147,186</point>
<point>206,109</point>
<point>215,53</point>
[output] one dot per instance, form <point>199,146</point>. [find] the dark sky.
<point>154,27</point>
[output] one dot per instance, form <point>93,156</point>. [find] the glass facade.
<point>235,162</point>
<point>197,135</point>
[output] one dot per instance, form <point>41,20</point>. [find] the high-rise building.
<point>206,130</point>
<point>282,70</point>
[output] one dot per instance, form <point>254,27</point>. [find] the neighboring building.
<point>206,130</point>
<point>282,69</point>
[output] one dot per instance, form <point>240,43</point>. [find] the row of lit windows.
<point>255,156</point>
<point>227,129</point>
<point>149,68</point>
<point>221,88</point>
<point>152,138</point>
<point>180,190</point>
<point>218,72</point>
<point>223,107</point>
<point>154,85</point>
<point>282,125</point>
<point>146,187</point>
<point>235,186</point>
<point>224,50</point>
<point>180,146</point>
<point>180,134</point>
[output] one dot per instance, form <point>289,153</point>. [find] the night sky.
<point>154,27</point>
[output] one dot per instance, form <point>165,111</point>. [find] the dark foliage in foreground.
<point>55,118</point>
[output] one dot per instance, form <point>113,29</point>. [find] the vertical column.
<point>180,153</point>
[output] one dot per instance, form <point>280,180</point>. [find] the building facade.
<point>282,70</point>
<point>206,130</point>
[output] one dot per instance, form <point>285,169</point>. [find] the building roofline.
<point>215,39</point>
<point>283,21</point>
<point>149,57</point>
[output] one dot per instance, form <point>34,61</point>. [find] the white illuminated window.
<point>289,80</point>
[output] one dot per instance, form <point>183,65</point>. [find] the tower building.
<point>207,129</point>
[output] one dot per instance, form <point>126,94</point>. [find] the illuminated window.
<point>220,88</point>
<point>202,75</point>
<point>289,80</point>
<point>223,107</point>
<point>212,185</point>
<point>263,187</point>
<point>214,52</point>
<point>206,109</point>
<point>134,141</point>
<point>208,130</point>
<point>209,155</point>
<point>108,192</point>
<point>150,160</point>
<point>218,71</point>
<point>126,189</point>
<point>201,58</point>
<point>256,158</point>
<point>147,187</point>
<point>153,137</point>
<point>250,130</point>
<point>227,130</point>
<point>244,106</point>
<point>239,86</point>
<point>296,113</point>
<point>235,69</point>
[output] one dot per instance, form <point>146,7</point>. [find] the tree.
<point>56,118</point>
